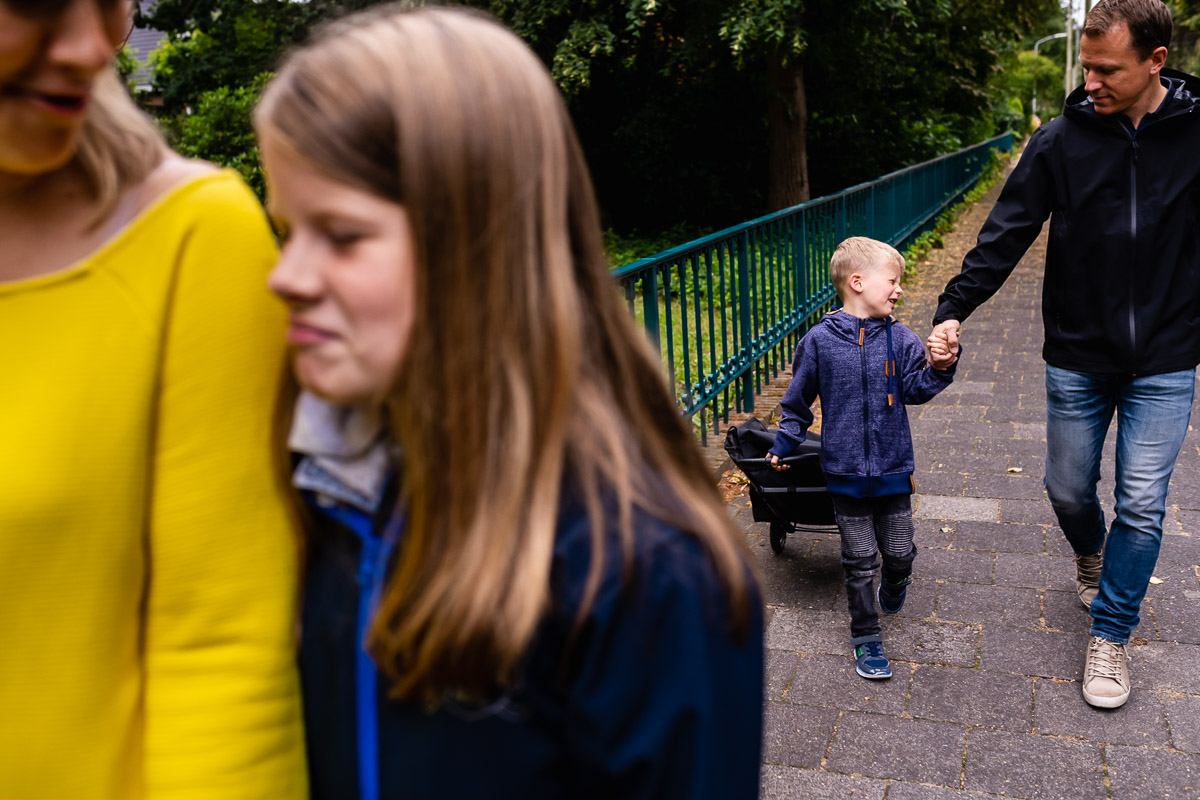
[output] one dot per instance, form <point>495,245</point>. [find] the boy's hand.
<point>943,344</point>
<point>775,465</point>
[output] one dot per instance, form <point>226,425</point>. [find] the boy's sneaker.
<point>1106,674</point>
<point>891,595</point>
<point>870,662</point>
<point>1087,577</point>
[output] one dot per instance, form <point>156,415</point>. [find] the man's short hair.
<point>859,254</point>
<point>1149,23</point>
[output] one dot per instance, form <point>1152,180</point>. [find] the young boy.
<point>865,367</point>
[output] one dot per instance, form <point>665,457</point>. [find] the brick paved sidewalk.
<point>988,651</point>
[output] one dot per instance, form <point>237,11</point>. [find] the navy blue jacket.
<point>864,371</point>
<point>654,700</point>
<point>1122,283</point>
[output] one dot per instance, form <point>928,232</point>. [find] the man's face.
<point>1117,78</point>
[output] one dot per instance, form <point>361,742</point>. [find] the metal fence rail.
<point>727,310</point>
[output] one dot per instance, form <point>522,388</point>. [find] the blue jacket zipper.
<point>372,571</point>
<point>862,351</point>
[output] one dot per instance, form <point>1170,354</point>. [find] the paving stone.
<point>1180,549</point>
<point>975,697</point>
<point>1011,413</point>
<point>980,429</point>
<point>956,508</point>
<point>998,537</point>
<point>969,387</point>
<point>1025,454</point>
<point>925,428</point>
<point>1061,711</point>
<point>1189,520</point>
<point>1004,605</point>
<point>916,791</point>
<point>797,735</point>
<point>789,783</point>
<point>1027,512</point>
<point>1018,569</point>
<point>930,642</point>
<point>1166,666</point>
<point>830,681</point>
<point>946,484</point>
<point>1063,612</point>
<point>1176,619</point>
<point>944,411</point>
<point>970,464</point>
<point>1056,542</point>
<point>1015,487</point>
<point>779,668</point>
<point>930,536</point>
<point>1139,773</point>
<point>787,583</point>
<point>1033,767</point>
<point>932,446</point>
<point>1029,652</point>
<point>1179,582</point>
<point>922,593</point>
<point>809,631</point>
<point>967,566</point>
<point>891,747</point>
<point>1183,717</point>
<point>1030,431</point>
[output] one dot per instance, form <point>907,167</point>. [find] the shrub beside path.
<point>988,651</point>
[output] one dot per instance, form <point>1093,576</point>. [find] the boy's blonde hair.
<point>859,254</point>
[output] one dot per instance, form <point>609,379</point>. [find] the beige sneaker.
<point>1087,577</point>
<point>1106,674</point>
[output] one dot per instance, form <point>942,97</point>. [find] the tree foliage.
<point>689,110</point>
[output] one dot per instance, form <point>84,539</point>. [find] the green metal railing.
<point>727,310</point>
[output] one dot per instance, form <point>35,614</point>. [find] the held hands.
<point>943,344</point>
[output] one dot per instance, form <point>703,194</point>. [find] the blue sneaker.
<point>870,662</point>
<point>891,595</point>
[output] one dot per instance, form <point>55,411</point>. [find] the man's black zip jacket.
<point>1122,279</point>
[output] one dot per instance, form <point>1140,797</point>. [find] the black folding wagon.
<point>793,500</point>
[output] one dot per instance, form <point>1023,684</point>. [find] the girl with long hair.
<point>520,580</point>
<point>146,558</point>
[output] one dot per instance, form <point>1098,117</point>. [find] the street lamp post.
<point>1036,45</point>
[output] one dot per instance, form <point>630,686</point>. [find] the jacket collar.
<point>345,452</point>
<point>1183,91</point>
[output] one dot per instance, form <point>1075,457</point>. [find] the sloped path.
<point>988,651</point>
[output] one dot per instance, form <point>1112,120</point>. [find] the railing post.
<point>744,307</point>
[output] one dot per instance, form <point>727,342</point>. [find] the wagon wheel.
<point>779,534</point>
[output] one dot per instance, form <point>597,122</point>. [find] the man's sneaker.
<point>891,595</point>
<point>1106,674</point>
<point>870,662</point>
<point>1087,577</point>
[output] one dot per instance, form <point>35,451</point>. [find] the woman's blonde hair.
<point>525,374</point>
<point>119,145</point>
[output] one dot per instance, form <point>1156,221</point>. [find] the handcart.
<point>793,500</point>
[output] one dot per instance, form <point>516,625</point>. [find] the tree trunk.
<point>787,123</point>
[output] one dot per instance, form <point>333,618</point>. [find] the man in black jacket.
<point>1118,176</point>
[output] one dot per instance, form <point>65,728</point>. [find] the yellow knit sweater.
<point>147,570</point>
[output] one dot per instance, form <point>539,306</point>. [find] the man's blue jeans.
<point>1152,418</point>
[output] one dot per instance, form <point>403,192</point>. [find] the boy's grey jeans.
<point>870,526</point>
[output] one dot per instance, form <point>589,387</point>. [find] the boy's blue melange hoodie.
<point>865,371</point>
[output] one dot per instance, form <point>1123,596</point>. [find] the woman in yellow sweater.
<point>146,564</point>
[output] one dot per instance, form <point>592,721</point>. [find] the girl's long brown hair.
<point>524,365</point>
